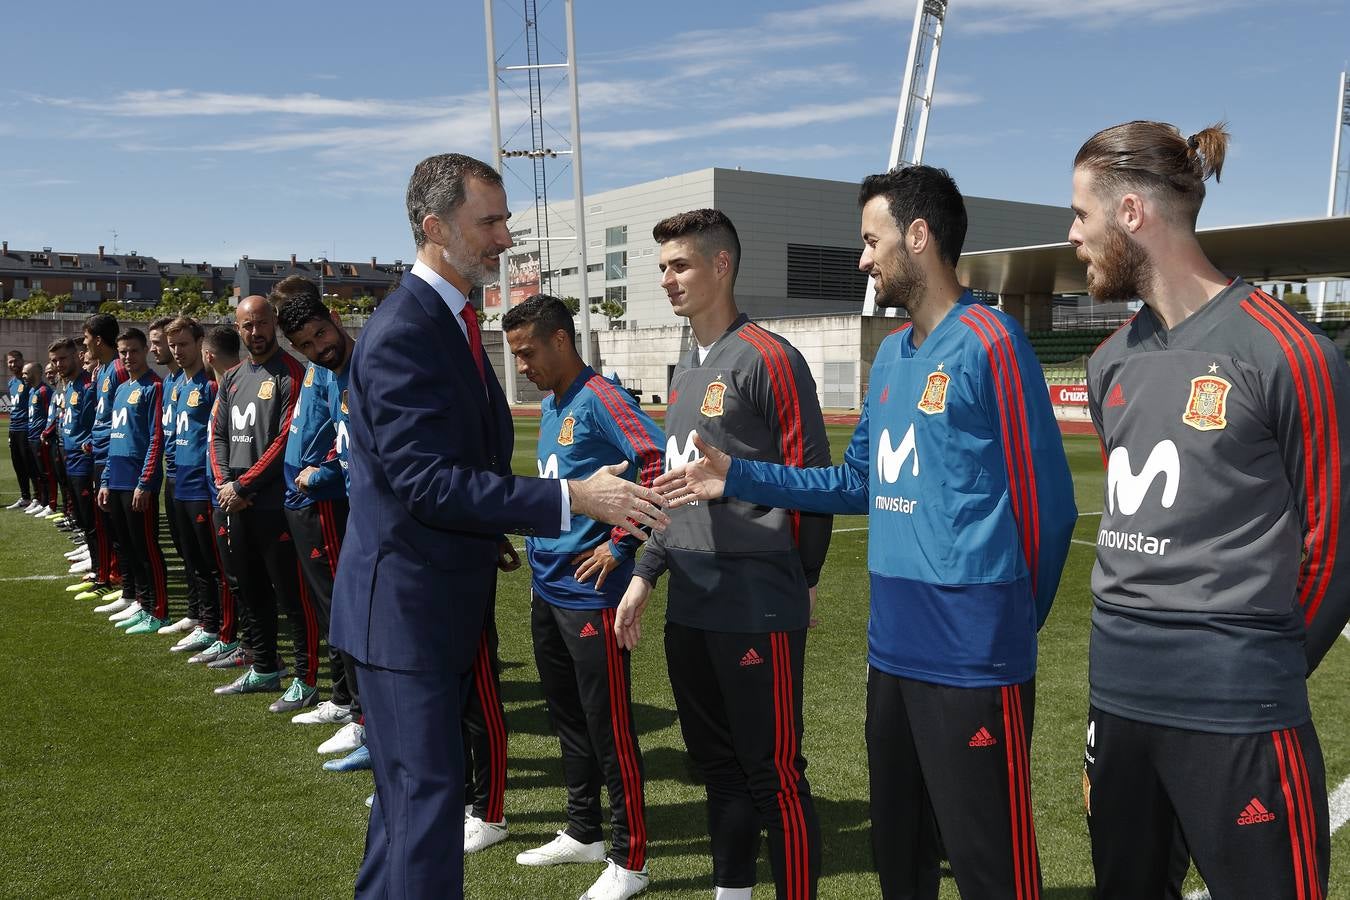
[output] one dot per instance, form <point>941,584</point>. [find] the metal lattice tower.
<point>1338,192</point>
<point>539,88</point>
<point>916,102</point>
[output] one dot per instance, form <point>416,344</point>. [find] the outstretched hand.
<point>703,479</point>
<point>606,497</point>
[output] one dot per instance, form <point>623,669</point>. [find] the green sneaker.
<point>109,596</point>
<point>297,696</point>
<point>136,618</point>
<point>148,625</point>
<point>251,683</point>
<point>82,588</point>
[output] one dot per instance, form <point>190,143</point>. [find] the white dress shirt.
<point>456,302</point>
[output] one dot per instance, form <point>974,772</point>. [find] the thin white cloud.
<point>787,152</point>
<point>999,16</point>
<point>794,118</point>
<point>178,103</point>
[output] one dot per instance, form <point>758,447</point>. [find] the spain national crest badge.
<point>714,398</point>
<point>107,383</point>
<point>134,397</point>
<point>565,432</point>
<point>344,403</point>
<point>194,398</point>
<point>174,398</point>
<point>1207,407</point>
<point>309,378</point>
<point>934,399</point>
<point>75,399</point>
<point>266,390</point>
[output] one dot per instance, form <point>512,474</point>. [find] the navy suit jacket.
<point>431,490</point>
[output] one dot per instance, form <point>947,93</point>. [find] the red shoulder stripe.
<point>156,434</point>
<point>647,452</point>
<point>786,403</point>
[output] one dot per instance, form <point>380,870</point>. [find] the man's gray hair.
<point>437,187</point>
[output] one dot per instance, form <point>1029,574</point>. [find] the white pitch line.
<point>38,577</point>
<point>1084,543</point>
<point>1097,513</point>
<point>847,530</point>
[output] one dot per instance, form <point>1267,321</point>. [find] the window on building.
<point>616,235</point>
<point>37,284</point>
<point>616,265</point>
<point>571,271</point>
<point>824,273</point>
<point>595,267</point>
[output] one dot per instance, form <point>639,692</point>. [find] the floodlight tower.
<point>1338,194</point>
<point>535,73</point>
<point>916,101</point>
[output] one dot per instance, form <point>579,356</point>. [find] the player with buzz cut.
<point>742,576</point>
<point>77,417</point>
<point>129,490</point>
<point>100,342</point>
<point>39,453</point>
<point>577,582</point>
<point>189,409</point>
<point>248,446</point>
<point>959,463</point>
<point>18,429</point>
<point>220,354</point>
<point>316,490</point>
<point>1221,575</point>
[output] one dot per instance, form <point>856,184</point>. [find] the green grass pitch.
<point>121,775</point>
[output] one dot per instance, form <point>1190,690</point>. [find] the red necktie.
<point>470,317</point>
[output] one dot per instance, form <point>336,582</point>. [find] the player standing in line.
<point>247,449</point>
<point>51,439</point>
<point>100,343</point>
<point>1220,580</point>
<point>159,350</point>
<point>316,493</point>
<point>129,490</point>
<point>189,411</point>
<point>742,576</point>
<point>18,429</point>
<point>220,354</point>
<point>959,462</point>
<point>77,417</point>
<point>39,454</point>
<point>577,582</point>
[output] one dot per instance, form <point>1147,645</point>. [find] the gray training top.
<point>735,566</point>
<point>1221,565</point>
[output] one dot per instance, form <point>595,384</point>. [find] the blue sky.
<point>208,131</point>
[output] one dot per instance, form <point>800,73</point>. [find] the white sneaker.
<point>49,512</point>
<point>18,504</point>
<point>77,553</point>
<point>618,883</point>
<point>32,508</point>
<point>370,801</point>
<point>479,835</point>
<point>563,849</point>
<point>125,612</point>
<point>116,604</point>
<point>347,739</point>
<point>188,638</point>
<point>326,713</point>
<point>182,625</point>
<point>721,893</point>
<point>80,566</point>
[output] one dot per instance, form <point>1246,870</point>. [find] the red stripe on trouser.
<point>103,546</point>
<point>311,675</point>
<point>796,878</point>
<point>634,803</point>
<point>154,558</point>
<point>1315,502</point>
<point>1291,811</point>
<point>1323,397</point>
<point>1021,434</point>
<point>226,598</point>
<point>486,686</point>
<point>1023,876</point>
<point>328,526</point>
<point>49,468</point>
<point>1308,830</point>
<point>1024,771</point>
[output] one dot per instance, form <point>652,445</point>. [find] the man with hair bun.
<point>1220,580</point>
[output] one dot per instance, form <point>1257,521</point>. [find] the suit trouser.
<point>18,458</point>
<point>107,545</point>
<point>587,682</point>
<point>263,554</point>
<point>1252,808</point>
<point>935,753</point>
<point>198,548</point>
<point>171,519</point>
<point>231,608</point>
<point>318,530</point>
<point>143,575</point>
<point>484,728</point>
<point>40,462</point>
<point>739,698</point>
<point>415,840</point>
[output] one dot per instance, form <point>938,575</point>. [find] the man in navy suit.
<point>432,497</point>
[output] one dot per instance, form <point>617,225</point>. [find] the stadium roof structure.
<point>1272,251</point>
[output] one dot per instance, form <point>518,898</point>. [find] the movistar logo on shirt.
<point>548,469</point>
<point>1126,492</point>
<point>891,461</point>
<point>341,442</point>
<point>241,419</point>
<point>119,419</point>
<point>678,457</point>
